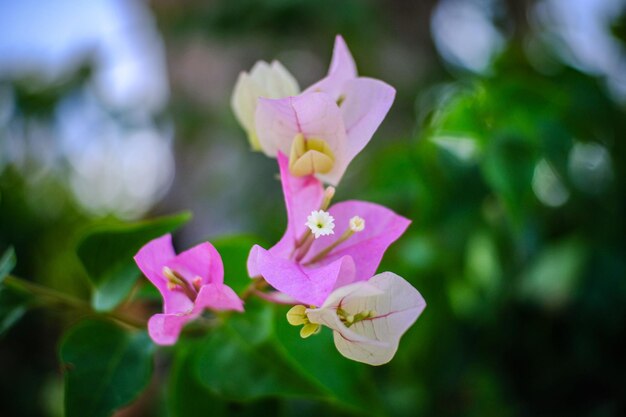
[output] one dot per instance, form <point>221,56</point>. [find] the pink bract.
<point>201,261</point>
<point>342,109</point>
<point>356,259</point>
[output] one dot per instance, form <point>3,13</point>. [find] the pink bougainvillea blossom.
<point>308,269</point>
<point>324,128</point>
<point>188,282</point>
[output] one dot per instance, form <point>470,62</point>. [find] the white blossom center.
<point>321,223</point>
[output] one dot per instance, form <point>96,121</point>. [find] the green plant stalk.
<point>73,302</point>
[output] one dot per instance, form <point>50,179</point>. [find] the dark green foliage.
<point>107,254</point>
<point>106,367</point>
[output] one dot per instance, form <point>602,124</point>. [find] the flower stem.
<point>330,247</point>
<point>57,297</point>
<point>256,285</point>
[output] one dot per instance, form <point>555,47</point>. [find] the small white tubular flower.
<point>264,80</point>
<point>368,318</point>
<point>357,224</point>
<point>321,223</point>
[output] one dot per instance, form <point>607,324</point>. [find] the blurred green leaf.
<point>107,254</point>
<point>186,396</point>
<point>234,251</point>
<point>508,167</point>
<point>239,360</point>
<point>553,277</point>
<point>13,305</point>
<point>347,382</point>
<point>7,263</point>
<point>258,354</point>
<point>482,263</point>
<point>106,367</point>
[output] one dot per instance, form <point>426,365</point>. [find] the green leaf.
<point>106,367</point>
<point>240,360</point>
<point>346,382</point>
<point>234,251</point>
<point>7,263</point>
<point>258,355</point>
<point>107,254</point>
<point>13,305</point>
<point>186,396</point>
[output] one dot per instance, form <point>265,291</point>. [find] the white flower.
<point>321,223</point>
<point>369,317</point>
<point>357,224</point>
<point>264,80</point>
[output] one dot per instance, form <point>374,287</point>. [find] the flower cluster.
<point>326,262</point>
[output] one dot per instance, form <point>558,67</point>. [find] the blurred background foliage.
<point>505,146</point>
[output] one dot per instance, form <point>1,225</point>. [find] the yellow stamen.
<point>309,156</point>
<point>309,329</point>
<point>297,315</point>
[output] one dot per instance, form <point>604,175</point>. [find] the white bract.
<point>264,80</point>
<point>369,317</point>
<point>321,223</point>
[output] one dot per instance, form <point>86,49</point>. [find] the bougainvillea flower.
<point>324,128</point>
<point>308,269</point>
<point>264,80</point>
<point>188,282</point>
<point>367,318</point>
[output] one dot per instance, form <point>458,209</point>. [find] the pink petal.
<point>202,261</point>
<point>315,115</point>
<point>366,104</point>
<point>342,68</point>
<point>276,124</point>
<point>252,263</point>
<point>319,117</point>
<point>309,286</point>
<point>217,297</point>
<point>302,196</point>
<point>164,329</point>
<point>382,228</point>
<point>151,259</point>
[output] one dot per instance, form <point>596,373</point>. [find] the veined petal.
<point>366,104</point>
<point>342,68</point>
<point>319,117</point>
<point>373,340</point>
<point>383,227</point>
<point>309,286</point>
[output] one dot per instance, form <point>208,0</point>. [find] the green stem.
<point>73,302</point>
